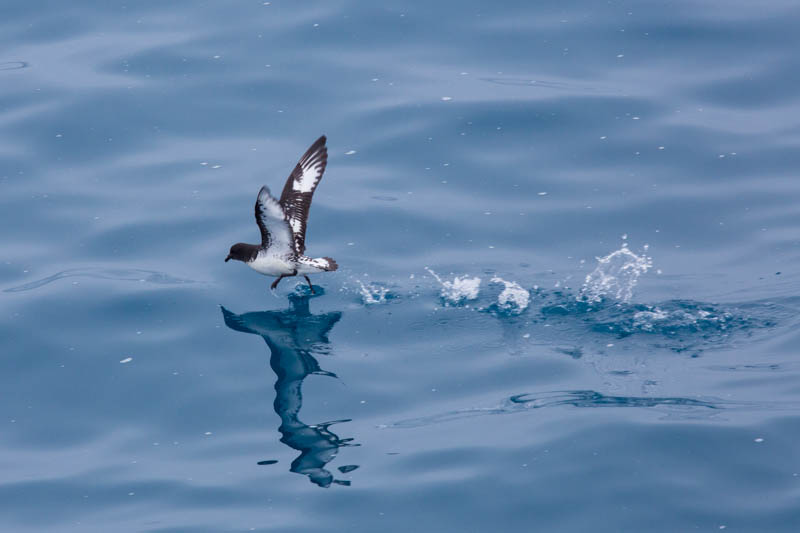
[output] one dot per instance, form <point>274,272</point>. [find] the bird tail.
<point>307,265</point>
<point>331,264</point>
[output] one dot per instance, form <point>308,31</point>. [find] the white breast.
<point>271,264</point>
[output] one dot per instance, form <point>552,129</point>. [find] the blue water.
<point>568,293</point>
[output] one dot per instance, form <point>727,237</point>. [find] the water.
<point>567,297</point>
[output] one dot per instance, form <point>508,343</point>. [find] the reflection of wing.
<point>299,188</point>
<point>234,321</point>
<point>271,221</point>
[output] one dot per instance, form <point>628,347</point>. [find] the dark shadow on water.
<point>295,337</point>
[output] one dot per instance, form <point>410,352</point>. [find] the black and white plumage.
<point>283,224</point>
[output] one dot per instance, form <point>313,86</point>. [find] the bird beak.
<point>228,258</point>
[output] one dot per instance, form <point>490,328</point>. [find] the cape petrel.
<point>283,224</point>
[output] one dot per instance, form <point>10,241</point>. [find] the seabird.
<point>283,224</point>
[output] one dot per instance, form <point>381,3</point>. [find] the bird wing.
<point>299,188</point>
<point>271,220</point>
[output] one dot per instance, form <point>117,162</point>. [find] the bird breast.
<point>271,264</point>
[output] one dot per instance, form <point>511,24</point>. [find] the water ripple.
<point>13,65</point>
<point>576,398</point>
<point>542,84</point>
<point>118,274</point>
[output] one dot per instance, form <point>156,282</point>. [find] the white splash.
<point>615,275</point>
<point>514,299</point>
<point>372,293</point>
<point>461,289</point>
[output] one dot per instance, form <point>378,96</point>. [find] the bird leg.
<point>310,286</point>
<point>275,283</point>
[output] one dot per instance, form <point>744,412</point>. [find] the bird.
<point>282,223</point>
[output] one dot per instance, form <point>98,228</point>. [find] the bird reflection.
<point>295,337</point>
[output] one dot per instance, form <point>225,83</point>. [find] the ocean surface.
<point>568,296</point>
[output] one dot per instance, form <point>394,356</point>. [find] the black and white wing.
<point>299,188</point>
<point>275,231</point>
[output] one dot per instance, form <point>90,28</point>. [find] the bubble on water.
<point>461,289</point>
<point>513,299</point>
<point>615,276</point>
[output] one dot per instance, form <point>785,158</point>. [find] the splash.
<point>615,276</point>
<point>461,289</point>
<point>373,293</point>
<point>514,299</point>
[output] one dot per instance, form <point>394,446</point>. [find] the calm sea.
<point>568,237</point>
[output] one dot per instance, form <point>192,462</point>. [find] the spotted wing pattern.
<point>275,231</point>
<point>296,197</point>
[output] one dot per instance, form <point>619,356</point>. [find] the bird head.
<point>242,252</point>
